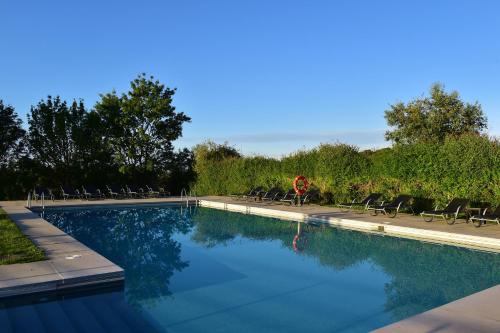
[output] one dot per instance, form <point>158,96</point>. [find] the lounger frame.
<point>392,209</point>
<point>481,219</point>
<point>450,215</point>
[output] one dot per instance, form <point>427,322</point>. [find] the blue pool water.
<point>204,270</point>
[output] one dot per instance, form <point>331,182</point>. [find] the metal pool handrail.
<point>187,196</point>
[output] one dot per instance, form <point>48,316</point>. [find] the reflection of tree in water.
<point>138,240</point>
<point>423,275</point>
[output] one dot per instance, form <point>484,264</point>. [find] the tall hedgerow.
<point>467,166</point>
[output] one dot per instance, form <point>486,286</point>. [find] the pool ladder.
<point>30,199</point>
<point>187,197</point>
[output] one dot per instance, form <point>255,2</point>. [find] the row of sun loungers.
<point>372,204</point>
<point>276,195</point>
<point>89,192</point>
<point>449,213</point>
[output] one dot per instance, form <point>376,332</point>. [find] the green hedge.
<point>468,166</point>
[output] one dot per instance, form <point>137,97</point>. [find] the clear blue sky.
<point>268,76</point>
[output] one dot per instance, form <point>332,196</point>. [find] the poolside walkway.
<point>479,312</point>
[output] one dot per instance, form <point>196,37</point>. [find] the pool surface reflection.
<point>205,270</point>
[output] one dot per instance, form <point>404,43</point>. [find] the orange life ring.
<point>305,185</point>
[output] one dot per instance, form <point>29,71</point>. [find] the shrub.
<point>467,166</point>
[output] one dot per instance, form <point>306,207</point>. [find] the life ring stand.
<point>305,184</point>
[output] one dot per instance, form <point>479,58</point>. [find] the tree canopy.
<point>212,151</point>
<point>11,134</point>
<point>66,139</point>
<point>433,118</point>
<point>142,124</point>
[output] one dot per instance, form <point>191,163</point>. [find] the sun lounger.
<point>134,191</point>
<point>91,192</point>
<point>69,192</point>
<point>449,213</point>
<point>290,197</point>
<point>392,208</point>
<point>150,192</point>
<point>271,195</point>
<point>481,219</point>
<point>254,194</point>
<point>38,192</point>
<point>163,191</point>
<point>311,195</point>
<point>370,200</point>
<point>250,194</point>
<point>115,191</point>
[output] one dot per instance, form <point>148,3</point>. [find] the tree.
<point>142,124</point>
<point>433,118</point>
<point>211,151</point>
<point>67,141</point>
<point>11,135</point>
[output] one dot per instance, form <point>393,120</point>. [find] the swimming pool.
<point>202,270</point>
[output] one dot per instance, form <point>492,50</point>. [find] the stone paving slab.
<point>479,312</point>
<point>55,250</point>
<point>21,271</point>
<point>42,241</point>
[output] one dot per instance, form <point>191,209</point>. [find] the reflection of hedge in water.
<point>423,275</point>
<point>138,240</point>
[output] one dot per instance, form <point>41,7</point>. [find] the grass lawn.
<point>14,246</point>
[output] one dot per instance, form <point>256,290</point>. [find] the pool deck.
<point>68,263</point>
<point>479,312</point>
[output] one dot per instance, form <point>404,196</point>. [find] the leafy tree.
<point>51,132</point>
<point>67,141</point>
<point>142,124</point>
<point>11,135</point>
<point>433,118</point>
<point>212,151</point>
